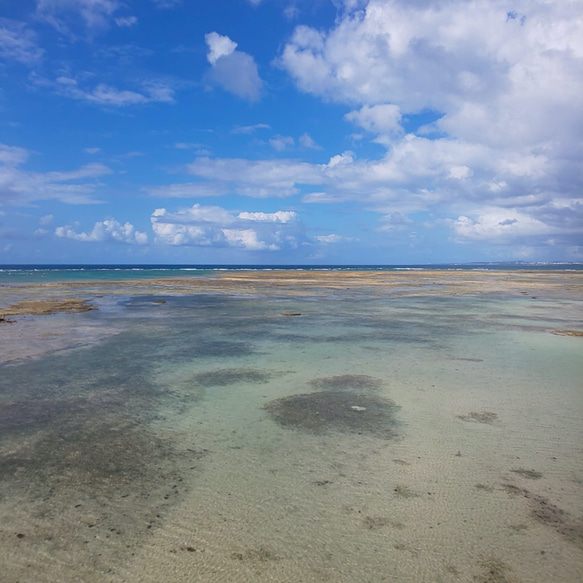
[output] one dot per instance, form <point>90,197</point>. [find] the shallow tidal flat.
<point>293,426</point>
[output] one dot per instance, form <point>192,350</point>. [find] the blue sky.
<point>291,131</point>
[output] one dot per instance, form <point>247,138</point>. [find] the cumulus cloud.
<point>378,119</point>
<point>18,43</point>
<point>21,187</point>
<point>219,46</point>
<point>505,227</point>
<point>504,84</point>
<point>108,230</point>
<point>232,70</point>
<point>212,226</point>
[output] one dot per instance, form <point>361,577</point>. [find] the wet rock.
<point>49,306</point>
<point>568,332</point>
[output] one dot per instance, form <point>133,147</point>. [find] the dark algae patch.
<point>493,570</point>
<point>487,417</point>
<point>545,512</point>
<point>530,474</point>
<point>83,472</point>
<point>564,523</point>
<point>336,410</point>
<point>342,403</point>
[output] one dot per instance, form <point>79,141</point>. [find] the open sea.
<point>418,424</point>
<point>53,273</point>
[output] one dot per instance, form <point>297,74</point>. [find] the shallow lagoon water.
<point>348,434</point>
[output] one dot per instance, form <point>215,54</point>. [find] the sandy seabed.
<point>294,426</point>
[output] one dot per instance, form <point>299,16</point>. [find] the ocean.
<point>50,273</point>
<point>291,423</point>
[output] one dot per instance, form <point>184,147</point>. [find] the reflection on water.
<point>246,438</point>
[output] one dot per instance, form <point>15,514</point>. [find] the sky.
<point>291,131</point>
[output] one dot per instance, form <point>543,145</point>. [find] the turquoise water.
<point>337,437</point>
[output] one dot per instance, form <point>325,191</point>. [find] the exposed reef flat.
<point>46,307</point>
<point>297,282</point>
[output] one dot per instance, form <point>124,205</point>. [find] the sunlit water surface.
<point>343,438</point>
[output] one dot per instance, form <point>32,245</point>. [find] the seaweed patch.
<point>493,570</point>
<point>530,474</point>
<point>487,417</point>
<point>327,411</point>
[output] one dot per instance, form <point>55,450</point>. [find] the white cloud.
<point>189,145</point>
<point>18,43</point>
<point>503,227</point>
<point>277,217</point>
<point>12,155</point>
<point>258,179</point>
<point>46,220</point>
<point>378,119</point>
<point>505,84</point>
<point>280,143</point>
<point>92,150</point>
<point>87,171</point>
<point>219,46</point>
<point>332,238</point>
<point>103,231</point>
<point>94,13</point>
<point>395,221</point>
<point>307,142</point>
<point>445,177</point>
<point>40,233</point>
<point>213,226</point>
<point>21,187</point>
<point>232,70</point>
<point>126,21</point>
<point>187,190</point>
<point>250,129</point>
<point>107,96</point>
